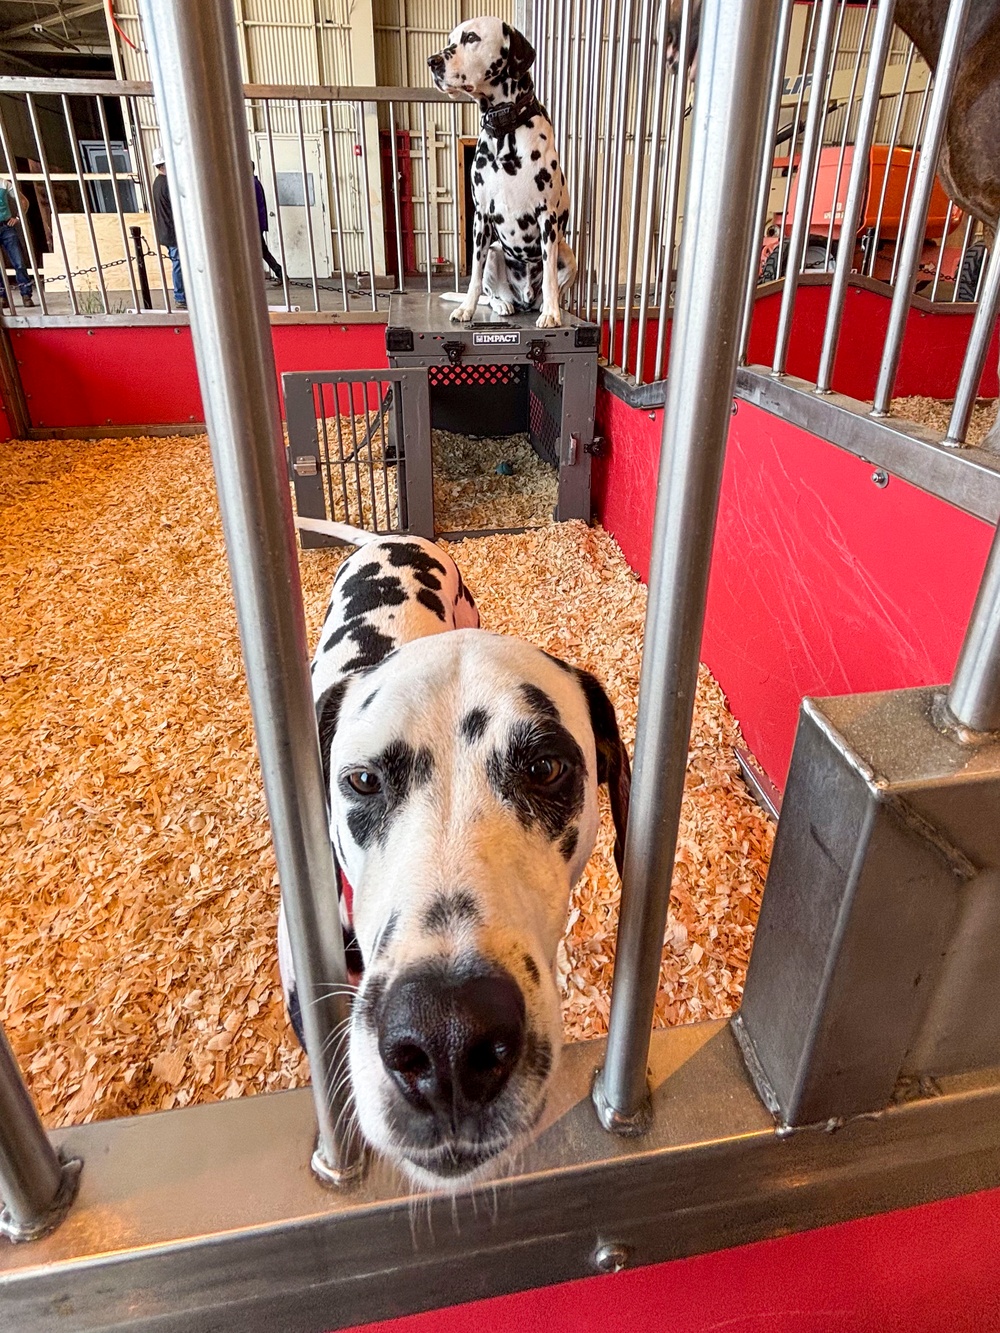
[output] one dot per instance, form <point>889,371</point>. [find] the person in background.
<point>269,259</point>
<point>163,222</point>
<point>10,243</point>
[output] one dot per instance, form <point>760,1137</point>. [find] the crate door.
<point>359,450</point>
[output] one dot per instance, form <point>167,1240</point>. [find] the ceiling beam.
<point>63,16</point>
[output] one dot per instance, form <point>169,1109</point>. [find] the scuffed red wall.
<point>125,376</point>
<point>821,582</point>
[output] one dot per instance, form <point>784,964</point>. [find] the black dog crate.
<point>359,442</point>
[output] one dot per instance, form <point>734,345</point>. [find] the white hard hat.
<point>158,159</point>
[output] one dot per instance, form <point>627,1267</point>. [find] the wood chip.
<point>139,885</point>
<point>936,413</point>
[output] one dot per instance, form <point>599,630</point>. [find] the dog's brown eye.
<point>364,782</point>
<point>546,771</point>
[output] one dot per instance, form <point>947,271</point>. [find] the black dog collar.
<point>505,118</point>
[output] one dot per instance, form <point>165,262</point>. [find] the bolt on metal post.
<point>196,79</point>
<point>730,102</point>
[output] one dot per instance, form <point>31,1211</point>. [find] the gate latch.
<point>537,350</point>
<point>454,351</point>
<point>305,465</point>
<point>596,447</point>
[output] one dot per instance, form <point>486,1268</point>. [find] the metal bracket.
<point>454,351</point>
<point>305,465</point>
<point>596,447</point>
<point>538,350</point>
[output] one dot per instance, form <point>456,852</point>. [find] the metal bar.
<point>11,163</point>
<point>366,197</point>
<point>384,400</point>
<point>941,247</point>
<point>87,212</point>
<point>196,74</point>
<point>618,180</point>
<point>337,209</point>
<point>730,101</point>
<point>796,130</point>
<point>102,115</point>
<point>306,92</point>
<point>654,176</point>
<point>974,697</point>
<point>147,188</point>
<point>638,158</point>
<point>427,192</point>
<point>53,211</point>
<point>916,223</point>
<point>815,120</point>
<point>614,74</point>
<point>848,113</point>
<point>917,143</point>
<point>857,188</point>
<point>277,205</point>
<point>590,198</point>
<point>36,1188</point>
<point>827,100</point>
<point>976,352</point>
<point>668,229</point>
<point>897,120</point>
<point>766,167</point>
<point>397,210</point>
<point>970,222</point>
<point>459,185</point>
<point>578,100</point>
<point>308,204</point>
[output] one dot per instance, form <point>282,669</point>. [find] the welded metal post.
<point>196,78</point>
<point>730,101</point>
<point>974,697</point>
<point>857,187</point>
<point>976,352</point>
<point>808,164</point>
<point>916,223</point>
<point>36,1187</point>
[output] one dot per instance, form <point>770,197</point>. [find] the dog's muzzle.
<point>436,65</point>
<point>450,1045</point>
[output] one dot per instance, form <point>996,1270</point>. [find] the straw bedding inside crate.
<point>936,413</point>
<point>139,889</point>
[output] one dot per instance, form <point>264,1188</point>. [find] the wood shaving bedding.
<point>936,413</point>
<point>138,968</point>
<point>469,493</point>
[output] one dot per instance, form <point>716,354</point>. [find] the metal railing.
<point>363,190</point>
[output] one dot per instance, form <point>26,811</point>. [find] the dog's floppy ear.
<point>327,713</point>
<point>612,758</point>
<point>520,52</point>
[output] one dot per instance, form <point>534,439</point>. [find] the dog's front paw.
<point>501,307</point>
<point>549,319</point>
<point>464,312</point>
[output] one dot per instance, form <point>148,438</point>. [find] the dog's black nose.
<point>436,63</point>
<point>451,1044</point>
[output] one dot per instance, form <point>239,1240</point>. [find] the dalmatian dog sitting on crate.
<point>520,256</point>
<point>461,771</point>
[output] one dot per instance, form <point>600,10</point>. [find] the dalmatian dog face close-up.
<point>462,771</point>
<point>520,255</point>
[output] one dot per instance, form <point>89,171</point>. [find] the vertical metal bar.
<point>727,125</point>
<point>36,1188</point>
<point>337,209</point>
<point>366,196</point>
<point>277,203</point>
<point>654,175</point>
<point>397,210</point>
<point>976,352</point>
<point>941,247</point>
<point>638,158</point>
<point>857,188</point>
<point>796,130</point>
<point>87,213</point>
<point>427,190</point>
<point>116,191</point>
<point>893,137</point>
<point>827,99</point>
<point>668,230</point>
<point>384,398</point>
<point>56,220</point>
<point>459,185</point>
<point>848,113</point>
<point>196,77</point>
<point>626,65</point>
<point>578,93</point>
<point>147,189</point>
<point>11,163</point>
<point>916,223</point>
<point>766,167</point>
<point>909,173</point>
<point>590,198</point>
<point>970,222</point>
<point>307,202</point>
<point>614,74</point>
<point>974,697</point>
<point>815,120</point>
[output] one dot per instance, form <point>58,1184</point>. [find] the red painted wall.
<point>821,582</point>
<point>932,1269</point>
<point>125,376</point>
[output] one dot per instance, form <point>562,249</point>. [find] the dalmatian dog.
<point>520,256</point>
<point>461,770</point>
